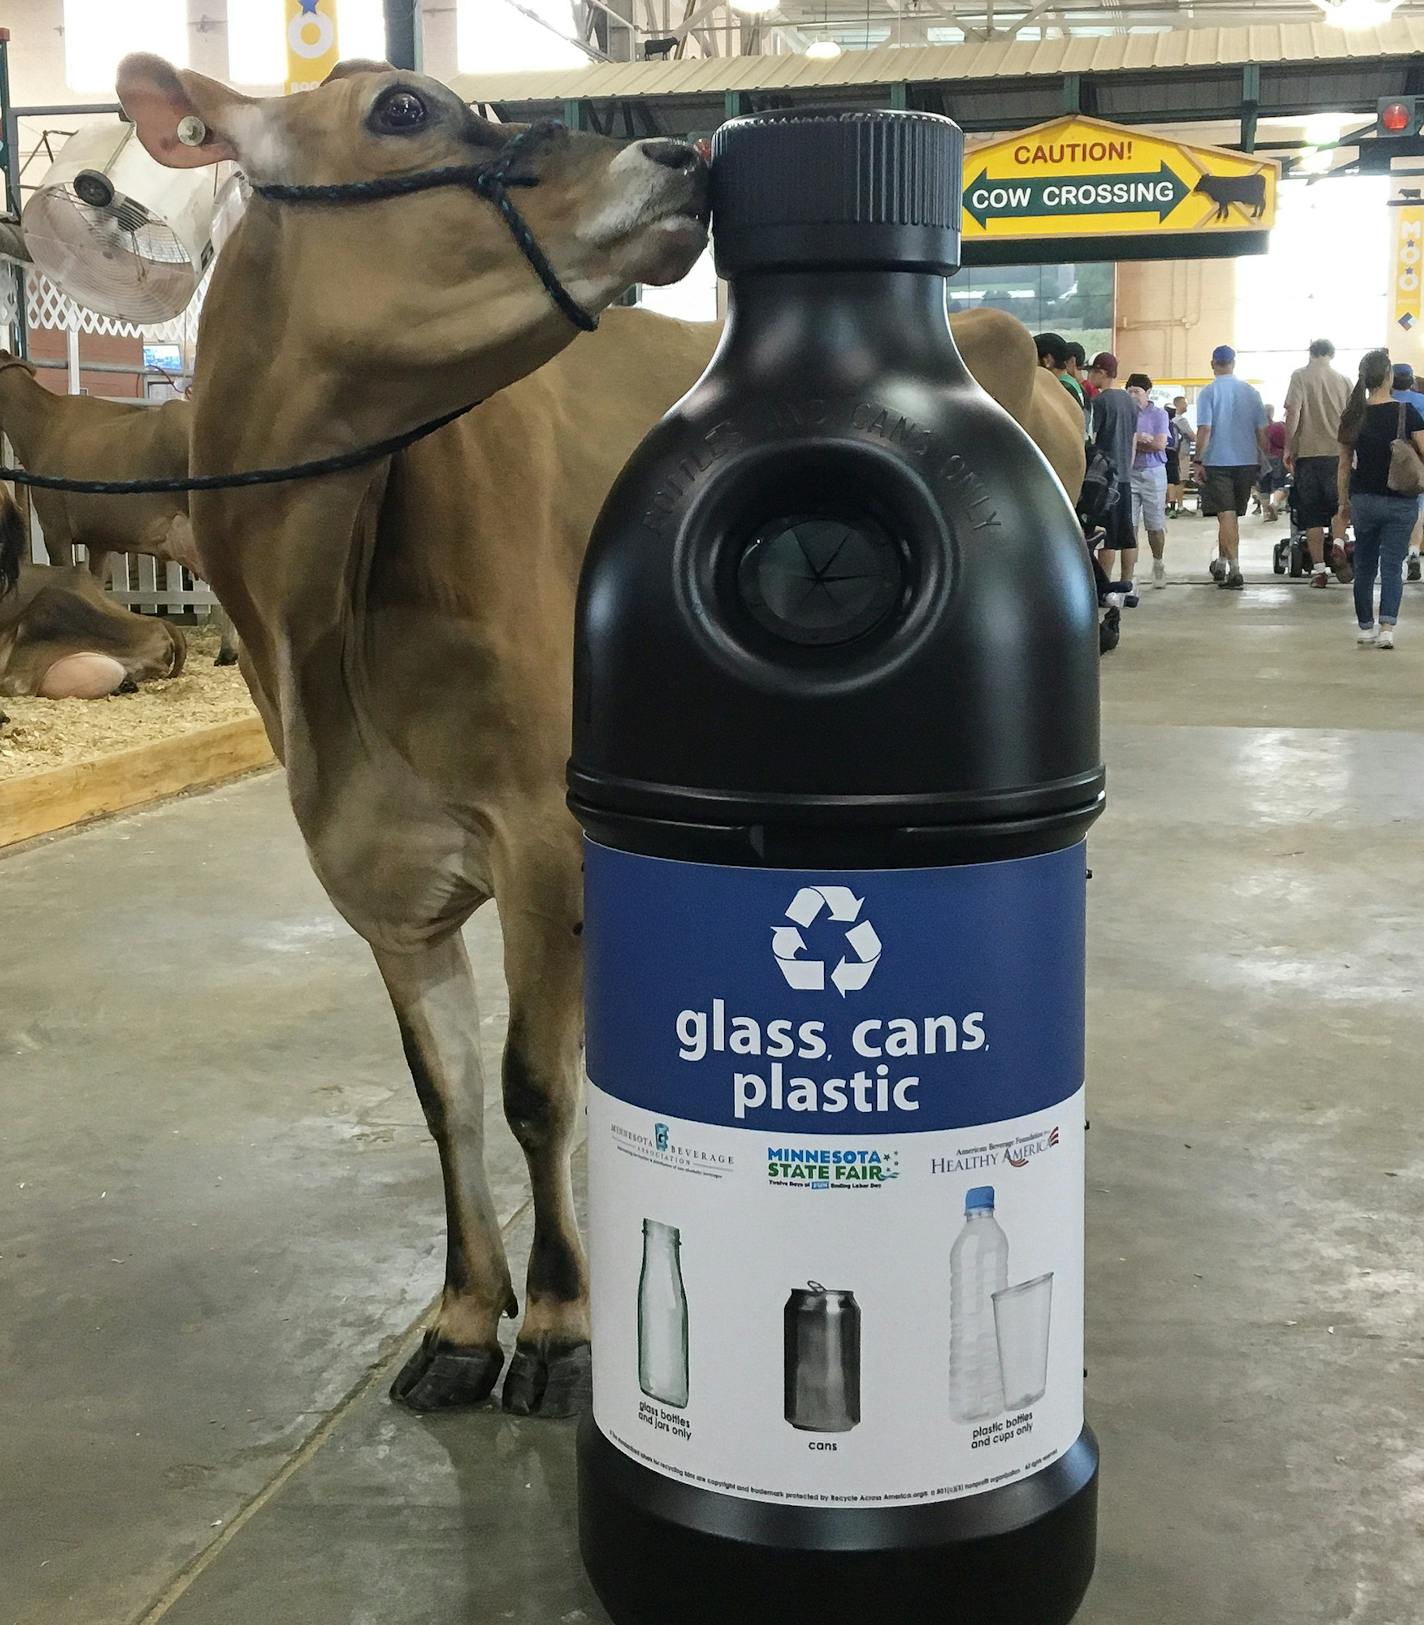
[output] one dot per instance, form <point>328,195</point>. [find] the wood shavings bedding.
<point>42,734</point>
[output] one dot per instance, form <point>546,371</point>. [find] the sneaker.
<point>1109,631</point>
<point>1367,636</point>
<point>1217,570</point>
<point>1414,570</point>
<point>1159,573</point>
<point>1340,558</point>
<point>1235,582</point>
<point>1386,638</point>
<point>1320,576</point>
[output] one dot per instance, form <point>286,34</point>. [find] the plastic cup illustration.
<point>1023,1315</point>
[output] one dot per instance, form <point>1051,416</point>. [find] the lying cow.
<point>93,439</point>
<point>62,637</point>
<point>407,625</point>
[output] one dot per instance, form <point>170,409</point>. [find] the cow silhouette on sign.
<point>1247,190</point>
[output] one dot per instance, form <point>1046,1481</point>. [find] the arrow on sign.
<point>1047,197</point>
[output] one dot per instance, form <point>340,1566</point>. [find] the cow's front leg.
<point>433,992</point>
<point>541,907</point>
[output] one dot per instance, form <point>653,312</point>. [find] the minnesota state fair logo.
<point>821,1168</point>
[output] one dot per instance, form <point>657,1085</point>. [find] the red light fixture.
<point>1396,117</point>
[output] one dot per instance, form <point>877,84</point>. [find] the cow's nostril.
<point>670,154</point>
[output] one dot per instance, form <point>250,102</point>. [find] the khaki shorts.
<point>1228,489</point>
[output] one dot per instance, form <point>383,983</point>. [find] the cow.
<point>99,440</point>
<point>407,625</point>
<point>62,637</point>
<point>1248,191</point>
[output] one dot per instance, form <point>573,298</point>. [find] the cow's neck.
<point>26,409</point>
<point>290,561</point>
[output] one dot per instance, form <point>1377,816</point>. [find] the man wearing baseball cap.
<point>1231,441</point>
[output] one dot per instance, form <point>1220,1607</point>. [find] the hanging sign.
<point>1406,333</point>
<point>313,44</point>
<point>1082,177</point>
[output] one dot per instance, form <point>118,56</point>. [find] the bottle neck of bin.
<point>783,323</point>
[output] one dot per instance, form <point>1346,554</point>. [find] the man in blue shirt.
<point>1231,441</point>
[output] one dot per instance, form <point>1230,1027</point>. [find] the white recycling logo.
<point>809,975</point>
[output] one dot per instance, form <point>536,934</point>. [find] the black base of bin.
<point>663,1553</point>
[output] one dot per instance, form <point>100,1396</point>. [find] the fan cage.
<point>119,259</point>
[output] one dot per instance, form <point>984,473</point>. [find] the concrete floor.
<point>219,1215</point>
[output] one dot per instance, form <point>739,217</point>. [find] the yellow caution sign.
<point>1406,334</point>
<point>1082,177</point>
<point>313,43</point>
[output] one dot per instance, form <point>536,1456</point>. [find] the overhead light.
<point>754,8</point>
<point>1358,13</point>
<point>823,50</point>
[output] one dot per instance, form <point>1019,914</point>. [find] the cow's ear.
<point>361,64</point>
<point>183,119</point>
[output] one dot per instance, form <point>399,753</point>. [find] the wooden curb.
<point>40,803</point>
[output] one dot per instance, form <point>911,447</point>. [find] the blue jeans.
<point>1382,529</point>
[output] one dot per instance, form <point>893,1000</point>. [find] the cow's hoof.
<point>553,1381</point>
<point>226,657</point>
<point>128,686</point>
<point>441,1377</point>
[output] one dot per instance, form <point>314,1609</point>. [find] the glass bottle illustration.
<point>662,1316</point>
<point>978,1268</point>
<point>822,1336</point>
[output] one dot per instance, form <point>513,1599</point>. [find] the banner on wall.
<point>1406,299</point>
<point>313,42</point>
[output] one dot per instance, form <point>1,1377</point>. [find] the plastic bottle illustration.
<point>978,1268</point>
<point>662,1316</point>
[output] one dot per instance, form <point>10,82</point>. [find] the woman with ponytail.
<point>1383,518</point>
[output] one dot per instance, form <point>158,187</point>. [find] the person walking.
<point>1274,475</point>
<point>1149,473</point>
<point>1315,403</point>
<point>1231,440</point>
<point>1406,388</point>
<point>1115,436</point>
<point>1179,454</point>
<point>1383,518</point>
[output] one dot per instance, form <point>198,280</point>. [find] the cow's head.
<point>433,279</point>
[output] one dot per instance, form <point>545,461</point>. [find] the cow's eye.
<point>400,111</point>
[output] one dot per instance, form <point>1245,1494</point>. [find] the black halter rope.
<point>490,181</point>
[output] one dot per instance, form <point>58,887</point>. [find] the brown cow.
<point>63,637</point>
<point>407,627</point>
<point>94,439</point>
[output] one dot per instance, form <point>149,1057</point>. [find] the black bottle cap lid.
<point>818,187</point>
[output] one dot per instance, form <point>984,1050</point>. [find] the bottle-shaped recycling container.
<point>662,1316</point>
<point>822,1357</point>
<point>835,756</point>
<point>978,1268</point>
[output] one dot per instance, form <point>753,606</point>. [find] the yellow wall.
<point>1172,314</point>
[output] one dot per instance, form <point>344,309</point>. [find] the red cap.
<point>1105,361</point>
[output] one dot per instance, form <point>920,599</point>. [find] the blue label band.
<point>891,1001</point>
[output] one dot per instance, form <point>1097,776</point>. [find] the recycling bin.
<point>835,755</point>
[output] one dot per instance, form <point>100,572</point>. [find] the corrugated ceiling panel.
<point>1270,45</point>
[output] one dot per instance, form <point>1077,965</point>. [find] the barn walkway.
<point>219,1212</point>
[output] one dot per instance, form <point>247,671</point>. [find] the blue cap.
<point>982,1196</point>
<point>1222,356</point>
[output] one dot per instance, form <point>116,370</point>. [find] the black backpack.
<point>1101,489</point>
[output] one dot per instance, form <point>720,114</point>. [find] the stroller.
<point>1291,555</point>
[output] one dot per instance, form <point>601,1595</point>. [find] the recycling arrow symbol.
<point>856,966</point>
